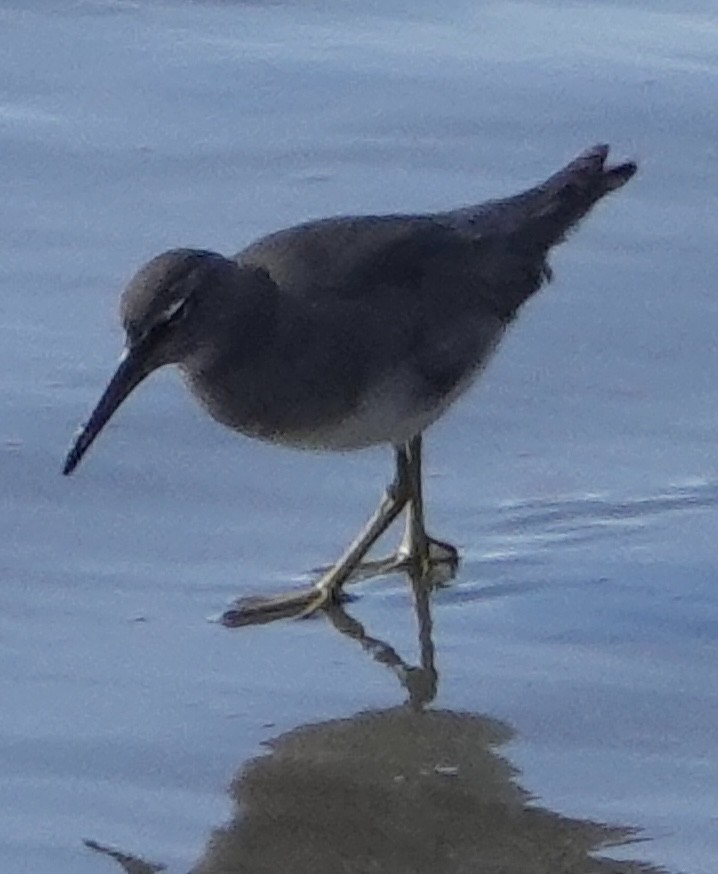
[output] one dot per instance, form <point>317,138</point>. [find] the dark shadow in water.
<point>408,790</point>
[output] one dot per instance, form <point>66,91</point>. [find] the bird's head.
<point>162,314</point>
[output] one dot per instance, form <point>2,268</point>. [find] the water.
<point>576,652</point>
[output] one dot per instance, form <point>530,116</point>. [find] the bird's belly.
<point>392,412</point>
<point>363,429</point>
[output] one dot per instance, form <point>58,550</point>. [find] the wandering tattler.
<point>348,332</point>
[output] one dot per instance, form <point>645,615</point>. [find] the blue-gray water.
<point>580,477</point>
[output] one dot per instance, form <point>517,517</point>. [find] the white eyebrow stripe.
<point>173,309</point>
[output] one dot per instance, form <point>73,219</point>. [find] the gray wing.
<point>419,262</point>
<point>384,292</point>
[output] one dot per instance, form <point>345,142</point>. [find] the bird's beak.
<point>134,366</point>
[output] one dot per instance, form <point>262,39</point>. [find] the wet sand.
<point>575,651</point>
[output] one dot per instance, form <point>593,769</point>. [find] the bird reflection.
<point>420,681</point>
<point>406,790</point>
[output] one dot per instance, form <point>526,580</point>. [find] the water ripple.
<point>538,522</point>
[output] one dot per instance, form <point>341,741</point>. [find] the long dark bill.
<point>130,372</point>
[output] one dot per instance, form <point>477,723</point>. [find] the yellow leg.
<point>303,602</point>
<point>430,559</point>
<point>420,555</point>
<point>329,586</point>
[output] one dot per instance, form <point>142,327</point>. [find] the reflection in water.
<point>408,790</point>
<point>420,682</point>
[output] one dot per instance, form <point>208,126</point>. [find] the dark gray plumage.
<point>350,331</point>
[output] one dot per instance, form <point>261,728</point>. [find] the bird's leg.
<point>327,589</point>
<point>422,553</point>
<point>396,498</point>
<point>415,544</point>
<point>426,557</point>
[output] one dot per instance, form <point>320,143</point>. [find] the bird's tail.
<point>556,206</point>
<point>542,216</point>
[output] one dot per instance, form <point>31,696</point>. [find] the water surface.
<point>576,652</point>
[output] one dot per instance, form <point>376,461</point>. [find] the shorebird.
<point>348,332</point>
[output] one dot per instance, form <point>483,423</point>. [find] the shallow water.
<point>576,650</point>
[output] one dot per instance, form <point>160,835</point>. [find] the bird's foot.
<point>257,610</point>
<point>324,599</point>
<point>437,568</point>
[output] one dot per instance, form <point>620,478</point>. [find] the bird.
<point>348,332</point>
